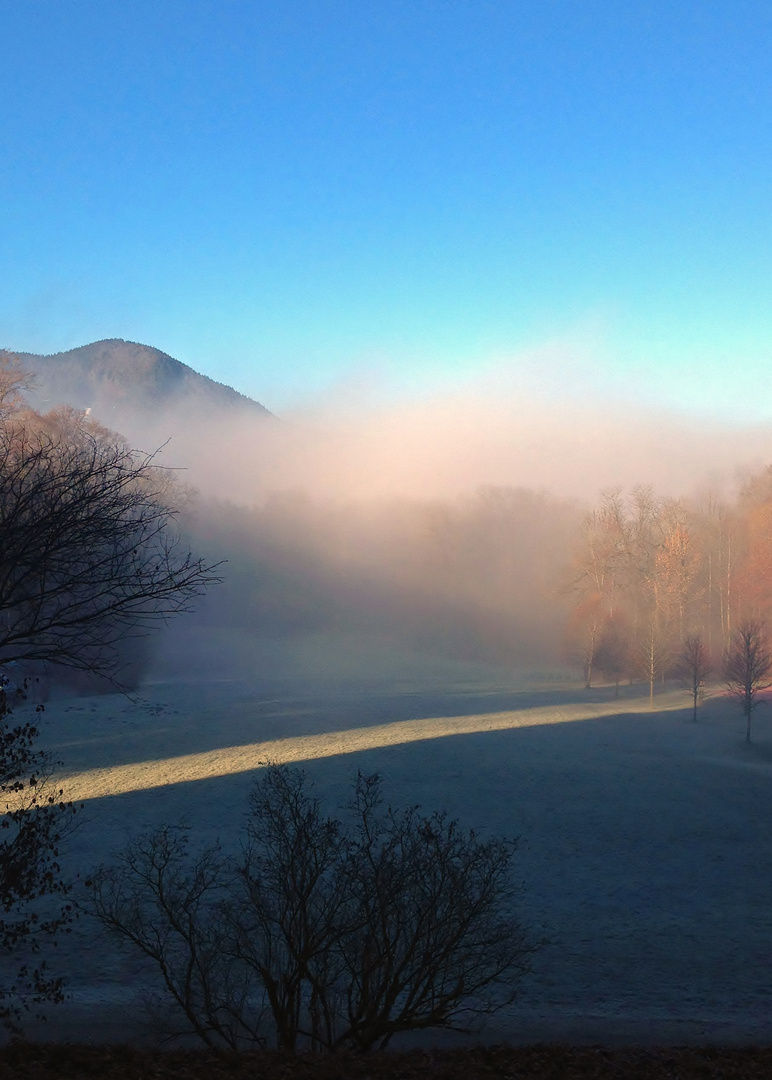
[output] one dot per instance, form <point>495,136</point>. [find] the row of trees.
<point>651,574</point>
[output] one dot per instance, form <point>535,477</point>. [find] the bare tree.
<point>298,907</point>
<point>334,938</point>
<point>14,380</point>
<point>693,666</point>
<point>89,551</point>
<point>583,634</point>
<point>176,910</point>
<point>748,668</point>
<point>654,651</point>
<point>434,943</point>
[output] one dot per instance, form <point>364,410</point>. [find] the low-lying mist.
<point>450,447</point>
<point>474,578</point>
<point>445,525</point>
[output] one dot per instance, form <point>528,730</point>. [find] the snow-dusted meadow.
<point>646,852</point>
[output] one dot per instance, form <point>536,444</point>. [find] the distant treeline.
<point>508,575</point>
<point>648,572</point>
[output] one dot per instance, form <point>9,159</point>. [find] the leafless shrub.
<point>332,938</point>
<point>176,910</point>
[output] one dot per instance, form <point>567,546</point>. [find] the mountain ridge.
<point>104,375</point>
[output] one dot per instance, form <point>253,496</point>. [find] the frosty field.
<point>646,855</point>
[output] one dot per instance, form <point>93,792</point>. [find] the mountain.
<point>148,397</point>
<point>114,376</point>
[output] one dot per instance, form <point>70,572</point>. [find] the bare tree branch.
<point>89,549</point>
<point>340,938</point>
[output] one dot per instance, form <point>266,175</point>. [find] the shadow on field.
<point>168,720</point>
<point>645,855</point>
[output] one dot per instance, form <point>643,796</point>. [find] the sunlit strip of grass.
<point>225,761</point>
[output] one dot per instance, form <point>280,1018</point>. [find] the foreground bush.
<point>322,936</point>
<point>35,819</point>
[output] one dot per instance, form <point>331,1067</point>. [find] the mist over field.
<point>451,445</point>
<point>446,520</point>
<point>473,593</point>
<point>447,523</point>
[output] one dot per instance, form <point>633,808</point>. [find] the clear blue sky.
<point>287,194</point>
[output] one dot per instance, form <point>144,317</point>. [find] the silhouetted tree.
<point>693,666</point>
<point>89,551</point>
<point>583,634</point>
<point>748,668</point>
<point>332,937</point>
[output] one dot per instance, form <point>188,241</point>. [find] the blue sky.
<point>299,197</point>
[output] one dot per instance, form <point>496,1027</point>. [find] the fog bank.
<point>444,522</point>
<point>449,446</point>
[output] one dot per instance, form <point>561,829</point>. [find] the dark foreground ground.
<point>44,1061</point>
